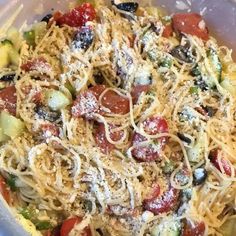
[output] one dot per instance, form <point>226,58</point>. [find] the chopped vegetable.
<point>78,16</point>
<point>56,100</point>
<point>217,162</point>
<point>193,90</point>
<point>29,213</point>
<point>11,126</point>
<point>195,153</point>
<point>11,182</point>
<point>182,54</point>
<point>7,77</point>
<point>4,55</point>
<point>168,201</point>
<point>47,18</point>
<point>83,38</point>
<point>43,225</point>
<point>229,227</point>
<point>193,228</point>
<point>199,176</point>
<point>215,63</point>
<point>15,37</point>
<point>29,36</point>
<point>4,191</point>
<point>167,228</point>
<point>46,114</point>
<point>8,99</point>
<point>127,6</point>
<point>190,23</point>
<point>166,62</point>
<point>69,224</point>
<point>184,138</point>
<point>229,86</point>
<point>168,167</point>
<point>3,137</point>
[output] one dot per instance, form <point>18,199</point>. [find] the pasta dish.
<point>118,120</point>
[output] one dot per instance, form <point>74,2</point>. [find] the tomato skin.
<point>69,224</point>
<point>50,130</point>
<point>78,16</point>
<point>193,228</point>
<point>190,23</point>
<point>8,99</point>
<point>35,64</point>
<point>87,103</point>
<point>163,204</point>
<point>115,103</point>
<point>155,192</point>
<point>101,140</point>
<point>4,190</point>
<point>214,157</point>
<point>152,125</point>
<point>138,90</point>
<point>168,31</point>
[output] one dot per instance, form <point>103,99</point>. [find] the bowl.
<point>220,17</point>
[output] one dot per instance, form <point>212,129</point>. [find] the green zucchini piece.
<point>227,85</point>
<point>4,55</point>
<point>56,100</point>
<point>14,56</point>
<point>11,126</point>
<point>195,153</point>
<point>215,64</point>
<point>172,228</point>
<point>15,37</point>
<point>3,137</point>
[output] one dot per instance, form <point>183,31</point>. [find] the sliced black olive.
<point>47,18</point>
<point>99,231</point>
<point>46,114</point>
<point>183,54</point>
<point>199,176</point>
<point>127,6</point>
<point>201,83</point>
<point>8,77</point>
<point>83,38</point>
<point>196,71</point>
<point>184,138</point>
<point>209,110</point>
<point>99,79</point>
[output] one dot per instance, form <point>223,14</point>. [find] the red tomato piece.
<point>163,204</point>
<point>168,31</point>
<point>97,90</point>
<point>4,190</point>
<point>8,99</point>
<point>86,104</point>
<point>153,125</point>
<point>190,23</point>
<point>69,224</point>
<point>115,103</point>
<point>101,140</point>
<point>138,90</point>
<point>215,160</point>
<point>78,16</point>
<point>36,64</point>
<point>50,130</point>
<point>155,192</point>
<point>193,228</point>
<point>37,97</point>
